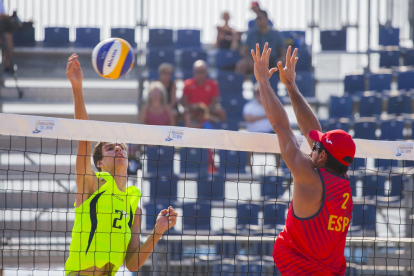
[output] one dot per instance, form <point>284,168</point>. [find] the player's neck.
<point>121,181</point>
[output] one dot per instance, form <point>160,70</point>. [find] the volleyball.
<point>112,58</point>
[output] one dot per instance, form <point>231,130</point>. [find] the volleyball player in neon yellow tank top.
<point>107,217</point>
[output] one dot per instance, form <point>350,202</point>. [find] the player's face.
<point>315,154</point>
<point>115,157</point>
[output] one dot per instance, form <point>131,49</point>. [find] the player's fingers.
<point>268,54</point>
<point>292,60</point>
<point>257,51</point>
<point>253,55</point>
<point>296,61</point>
<point>265,51</point>
<point>288,56</point>
<point>280,67</point>
<point>163,212</point>
<point>272,71</point>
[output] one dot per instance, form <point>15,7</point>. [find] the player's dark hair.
<point>97,153</point>
<point>332,163</point>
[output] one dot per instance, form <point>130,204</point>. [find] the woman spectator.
<point>156,110</point>
<point>165,72</point>
<point>227,37</point>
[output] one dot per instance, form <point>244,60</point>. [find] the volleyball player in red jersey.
<point>313,240</point>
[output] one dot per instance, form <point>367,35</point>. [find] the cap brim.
<point>316,135</point>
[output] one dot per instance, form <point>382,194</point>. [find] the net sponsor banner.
<point>70,129</point>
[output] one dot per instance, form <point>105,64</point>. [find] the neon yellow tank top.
<point>102,228</point>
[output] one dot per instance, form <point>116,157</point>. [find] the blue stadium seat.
<point>233,104</point>
<point>374,185</point>
<point>188,39</point>
<point>405,80</point>
<point>229,125</point>
<point>304,62</point>
<point>399,105</point>
<point>358,164</point>
<point>24,37</point>
<point>353,182</point>
<point>354,83</point>
<point>196,216</point>
<point>272,186</point>
<point>160,159</point>
<point>227,59</point>
<point>296,39</point>
<point>365,130</point>
<point>157,56</point>
<point>409,58</point>
<point>193,160</point>
<point>380,82</point>
<point>364,216</point>
<point>304,81</point>
<point>392,130</point>
<point>227,249</point>
<point>211,187</point>
<point>396,186</point>
<point>408,163</point>
<point>340,107</point>
<point>160,38</point>
<point>333,40</point>
<point>370,106</point>
<point>189,56</point>
<point>233,161</point>
<point>389,59</point>
<point>87,37</point>
<point>247,214</point>
<point>230,82</point>
<point>339,125</point>
<point>163,187</point>
<point>251,269</point>
<point>153,74</point>
<point>153,208</point>
<point>223,269</point>
<point>389,37</point>
<point>126,34</point>
<point>385,164</point>
<point>274,214</point>
<point>56,37</point>
<point>187,74</point>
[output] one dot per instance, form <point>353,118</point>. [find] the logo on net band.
<point>403,149</point>
<point>44,125</point>
<point>174,134</point>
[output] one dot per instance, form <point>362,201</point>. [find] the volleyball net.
<point>231,190</point>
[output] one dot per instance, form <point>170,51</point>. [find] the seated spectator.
<point>6,37</point>
<point>256,120</point>
<point>165,72</point>
<point>262,34</point>
<point>227,37</point>
<point>198,117</point>
<point>256,9</point>
<point>156,111</point>
<point>200,89</point>
<point>254,114</point>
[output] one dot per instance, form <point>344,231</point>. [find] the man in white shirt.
<point>255,115</point>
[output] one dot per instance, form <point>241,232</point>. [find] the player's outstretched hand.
<point>74,71</point>
<point>288,73</point>
<point>261,63</point>
<point>166,219</point>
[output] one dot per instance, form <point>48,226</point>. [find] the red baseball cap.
<point>254,4</point>
<point>337,142</point>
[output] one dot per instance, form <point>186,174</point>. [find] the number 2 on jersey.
<point>116,219</point>
<point>346,200</point>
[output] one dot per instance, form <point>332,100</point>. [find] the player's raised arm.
<point>306,118</point>
<point>137,255</point>
<point>299,163</point>
<point>85,177</point>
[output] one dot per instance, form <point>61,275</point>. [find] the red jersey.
<point>315,246</point>
<point>200,94</point>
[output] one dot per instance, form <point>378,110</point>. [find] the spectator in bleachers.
<point>262,34</point>
<point>156,110</point>
<point>201,89</point>
<point>165,72</point>
<point>227,37</point>
<point>256,9</point>
<point>256,120</point>
<point>6,33</point>
<point>255,115</point>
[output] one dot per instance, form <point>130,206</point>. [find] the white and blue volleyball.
<point>112,58</point>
